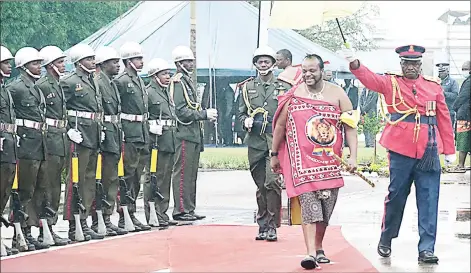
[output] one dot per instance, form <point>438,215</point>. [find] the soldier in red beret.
<point>418,130</point>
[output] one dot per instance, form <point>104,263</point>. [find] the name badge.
<point>252,91</point>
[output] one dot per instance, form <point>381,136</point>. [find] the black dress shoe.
<point>271,235</point>
<point>261,236</point>
<point>427,257</point>
<point>198,217</point>
<point>184,217</point>
<point>172,223</point>
<point>384,250</point>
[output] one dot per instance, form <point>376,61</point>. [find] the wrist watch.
<point>273,153</point>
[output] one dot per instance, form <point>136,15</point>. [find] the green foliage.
<point>61,23</point>
<point>370,123</point>
<point>356,29</point>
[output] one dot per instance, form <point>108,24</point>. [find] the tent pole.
<point>193,37</point>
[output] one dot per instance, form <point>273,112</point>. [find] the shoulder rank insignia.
<point>78,87</point>
<point>245,81</point>
<point>177,77</point>
<point>432,79</point>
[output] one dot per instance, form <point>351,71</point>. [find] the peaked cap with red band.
<point>410,52</point>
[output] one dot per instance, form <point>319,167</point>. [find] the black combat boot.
<point>58,241</point>
<point>109,232</point>
<point>110,226</point>
<point>89,231</point>
<point>121,223</point>
<point>137,223</point>
<point>72,233</point>
<point>15,244</point>
<point>29,238</point>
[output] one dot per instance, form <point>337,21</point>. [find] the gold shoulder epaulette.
<point>432,79</point>
<point>243,82</point>
<point>177,77</point>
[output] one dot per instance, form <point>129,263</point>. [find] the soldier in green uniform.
<point>7,136</point>
<point>162,117</point>
<point>134,115</point>
<point>450,89</point>
<point>84,106</point>
<point>189,136</point>
<point>30,118</point>
<point>107,59</point>
<point>256,109</point>
<point>57,143</point>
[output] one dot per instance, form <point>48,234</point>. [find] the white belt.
<point>8,128</point>
<point>130,117</point>
<point>164,122</point>
<point>56,123</point>
<point>82,114</point>
<point>29,124</point>
<point>111,118</point>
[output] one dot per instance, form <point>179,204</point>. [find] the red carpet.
<point>194,249</point>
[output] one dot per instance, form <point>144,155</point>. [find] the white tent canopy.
<point>226,35</point>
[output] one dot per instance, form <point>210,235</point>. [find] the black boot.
<point>11,251</point>
<point>109,232</point>
<point>72,233</point>
<point>58,241</point>
<point>110,226</point>
<point>89,231</point>
<point>15,244</point>
<point>137,223</point>
<point>37,245</point>
<point>121,223</point>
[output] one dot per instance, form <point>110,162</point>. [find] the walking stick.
<point>354,172</point>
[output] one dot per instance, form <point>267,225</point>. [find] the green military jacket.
<point>159,100</point>
<point>257,94</point>
<point>30,105</point>
<point>111,107</point>
<point>187,109</point>
<point>7,121</point>
<point>82,94</point>
<point>57,141</point>
<point>134,101</point>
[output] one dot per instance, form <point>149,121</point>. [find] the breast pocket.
<point>81,95</point>
<point>254,98</point>
<point>29,102</point>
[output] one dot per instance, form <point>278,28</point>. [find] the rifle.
<point>76,198</point>
<point>18,215</point>
<point>100,199</point>
<point>124,194</point>
<point>155,192</point>
<point>47,211</point>
<point>3,248</point>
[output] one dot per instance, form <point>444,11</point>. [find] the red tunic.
<point>399,138</point>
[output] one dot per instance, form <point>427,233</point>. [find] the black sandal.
<point>321,258</point>
<point>309,263</point>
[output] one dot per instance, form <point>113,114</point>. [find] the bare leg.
<point>320,232</point>
<point>309,232</point>
<point>462,159</point>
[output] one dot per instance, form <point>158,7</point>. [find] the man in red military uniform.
<point>419,130</point>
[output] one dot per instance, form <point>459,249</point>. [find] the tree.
<point>60,23</point>
<point>356,29</point>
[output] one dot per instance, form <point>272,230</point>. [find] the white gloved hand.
<point>248,123</point>
<point>18,138</point>
<point>156,129</point>
<point>348,54</point>
<point>75,136</point>
<point>212,114</point>
<point>449,159</point>
<point>103,136</point>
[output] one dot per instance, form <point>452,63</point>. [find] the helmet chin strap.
<point>57,71</point>
<point>86,69</point>
<point>134,67</point>
<point>265,72</point>
<point>5,75</point>
<point>159,82</point>
<point>31,74</point>
<point>184,69</point>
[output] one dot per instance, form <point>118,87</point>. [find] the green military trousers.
<point>7,175</point>
<point>164,178</point>
<point>268,189</point>
<point>109,167</point>
<point>135,158</point>
<point>87,160</point>
<point>184,176</point>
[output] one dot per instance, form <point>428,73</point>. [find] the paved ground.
<point>229,198</point>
